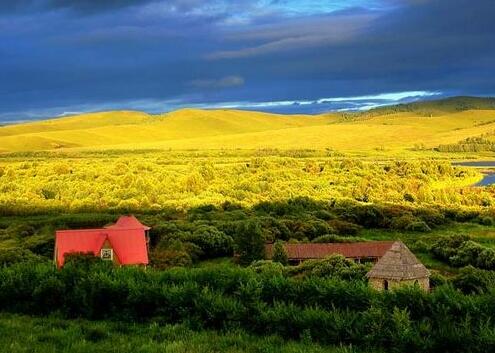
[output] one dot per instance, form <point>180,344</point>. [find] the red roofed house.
<point>124,243</point>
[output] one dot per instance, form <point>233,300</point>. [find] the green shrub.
<point>419,226</point>
<point>410,223</point>
<point>166,258</point>
<point>344,228</point>
<point>460,251</point>
<point>437,280</point>
<point>446,247</point>
<point>211,241</point>
<point>333,238</point>
<point>420,246</point>
<point>279,254</point>
<point>21,230</point>
<point>267,267</point>
<point>486,221</point>
<point>335,266</point>
<point>18,255</point>
<point>81,259</point>
<point>402,222</point>
<point>250,244</point>
<point>317,306</point>
<point>471,280</point>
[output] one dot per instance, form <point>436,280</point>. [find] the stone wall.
<point>380,284</point>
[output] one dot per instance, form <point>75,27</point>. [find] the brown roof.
<point>322,250</point>
<point>398,263</point>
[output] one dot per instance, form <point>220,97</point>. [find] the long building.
<point>394,263</point>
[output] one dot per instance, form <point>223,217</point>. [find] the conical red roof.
<point>128,222</point>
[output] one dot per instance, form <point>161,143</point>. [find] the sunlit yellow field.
<point>230,129</point>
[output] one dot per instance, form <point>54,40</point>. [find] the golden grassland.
<point>230,129</point>
<point>125,160</point>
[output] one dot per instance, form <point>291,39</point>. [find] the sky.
<point>60,57</point>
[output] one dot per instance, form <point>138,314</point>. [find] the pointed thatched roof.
<point>398,263</point>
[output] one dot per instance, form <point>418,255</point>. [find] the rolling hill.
<point>397,127</point>
<point>436,107</point>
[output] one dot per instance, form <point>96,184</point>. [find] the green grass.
<point>23,334</point>
<point>479,233</point>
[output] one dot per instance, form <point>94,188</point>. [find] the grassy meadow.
<point>211,181</point>
<point>23,334</point>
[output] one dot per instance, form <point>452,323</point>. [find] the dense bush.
<point>166,258</point>
<point>12,256</point>
<point>211,241</point>
<point>330,311</point>
<point>486,221</point>
<point>437,280</point>
<point>151,181</point>
<point>279,254</point>
<point>335,266</point>
<point>267,267</point>
<point>459,251</point>
<point>333,238</point>
<point>209,231</point>
<point>472,280</point>
<point>82,260</point>
<point>446,247</point>
<point>344,228</point>
<point>250,244</point>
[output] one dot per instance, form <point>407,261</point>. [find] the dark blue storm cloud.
<point>64,56</point>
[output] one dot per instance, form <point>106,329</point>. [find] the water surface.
<point>481,164</point>
<point>489,177</point>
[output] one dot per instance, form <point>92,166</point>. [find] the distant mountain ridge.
<point>437,106</point>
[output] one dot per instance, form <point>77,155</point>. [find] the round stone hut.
<point>398,266</point>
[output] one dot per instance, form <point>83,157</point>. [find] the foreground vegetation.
<point>330,311</point>
<point>23,334</point>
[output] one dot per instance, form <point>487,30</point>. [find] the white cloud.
<point>355,103</point>
<point>158,106</point>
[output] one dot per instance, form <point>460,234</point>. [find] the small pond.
<point>489,176</point>
<point>478,164</point>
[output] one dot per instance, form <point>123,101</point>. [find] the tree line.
<point>153,182</point>
<point>470,144</point>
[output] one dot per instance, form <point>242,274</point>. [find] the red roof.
<point>128,222</point>
<point>129,244</point>
<point>322,250</point>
